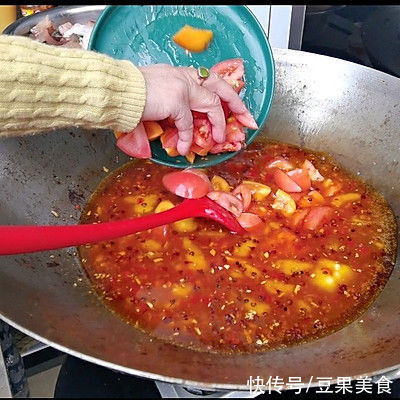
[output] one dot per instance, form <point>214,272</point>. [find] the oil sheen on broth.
<point>194,284</point>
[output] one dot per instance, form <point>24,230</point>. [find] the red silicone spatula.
<point>29,239</point>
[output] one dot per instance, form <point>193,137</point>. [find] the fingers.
<point>184,124</point>
<point>222,88</point>
<point>202,100</point>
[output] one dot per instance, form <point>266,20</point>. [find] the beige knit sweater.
<point>46,87</point>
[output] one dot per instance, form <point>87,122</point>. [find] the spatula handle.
<point>29,239</point>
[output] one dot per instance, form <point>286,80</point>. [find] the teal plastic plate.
<point>143,35</point>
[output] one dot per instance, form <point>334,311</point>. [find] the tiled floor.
<point>43,383</point>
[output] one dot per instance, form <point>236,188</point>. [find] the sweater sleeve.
<point>46,87</point>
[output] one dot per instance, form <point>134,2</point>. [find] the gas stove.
<point>24,356</point>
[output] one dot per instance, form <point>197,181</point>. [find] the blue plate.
<point>143,35</point>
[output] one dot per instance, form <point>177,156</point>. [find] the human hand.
<point>175,91</point>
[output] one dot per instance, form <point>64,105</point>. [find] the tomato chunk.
<point>237,84</point>
<point>225,147</point>
<point>298,217</point>
<point>312,171</point>
<point>316,217</point>
<point>187,185</point>
<point>285,182</point>
<point>234,131</point>
<point>202,135</point>
<point>136,143</point>
<point>301,177</point>
<point>249,221</point>
<point>281,163</point>
<point>243,193</point>
<point>228,201</point>
<point>229,69</point>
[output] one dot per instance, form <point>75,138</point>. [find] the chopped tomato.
<point>169,141</point>
<point>225,147</point>
<point>225,108</point>
<point>200,174</point>
<point>167,123</point>
<point>227,201</point>
<point>135,143</point>
<point>229,69</point>
<point>187,185</point>
<point>153,129</point>
<point>281,163</point>
<point>237,84</point>
<point>202,135</point>
<point>316,216</point>
<point>243,193</point>
<point>250,222</point>
<point>312,171</point>
<point>199,115</point>
<point>247,120</point>
<point>300,176</point>
<point>297,218</point>
<point>200,151</point>
<point>234,131</point>
<point>285,182</point>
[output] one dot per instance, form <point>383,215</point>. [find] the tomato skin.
<point>228,201</point>
<point>135,143</point>
<point>316,216</point>
<point>185,184</point>
<point>301,177</point>
<point>226,147</point>
<point>286,183</point>
<point>249,221</point>
<point>229,69</point>
<point>201,175</point>
<point>281,163</point>
<point>243,193</point>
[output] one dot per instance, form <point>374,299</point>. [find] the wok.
<point>350,111</point>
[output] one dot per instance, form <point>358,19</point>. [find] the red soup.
<point>325,248</point>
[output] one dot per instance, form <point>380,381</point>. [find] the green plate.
<point>143,35</point>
